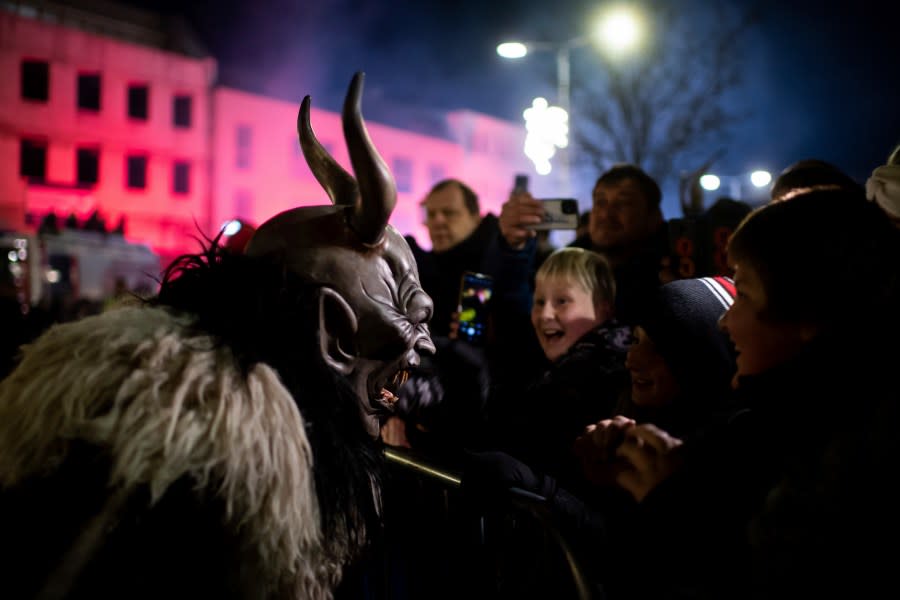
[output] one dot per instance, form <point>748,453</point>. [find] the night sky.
<point>822,79</point>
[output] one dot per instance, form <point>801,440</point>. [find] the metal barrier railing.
<point>529,513</point>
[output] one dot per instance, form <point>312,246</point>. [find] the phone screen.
<point>475,293</point>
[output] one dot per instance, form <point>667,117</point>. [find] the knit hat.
<point>683,322</point>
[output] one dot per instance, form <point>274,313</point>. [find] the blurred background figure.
<point>883,187</point>
<point>810,173</point>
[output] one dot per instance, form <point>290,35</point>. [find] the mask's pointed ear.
<point>337,331</point>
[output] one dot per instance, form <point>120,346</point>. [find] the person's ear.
<point>337,331</point>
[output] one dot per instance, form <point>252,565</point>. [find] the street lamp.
<point>759,179</point>
<point>618,30</point>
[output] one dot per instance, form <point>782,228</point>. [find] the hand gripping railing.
<point>523,500</point>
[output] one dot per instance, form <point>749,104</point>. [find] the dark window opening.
<point>181,111</point>
<point>35,80</point>
<point>89,91</point>
<point>181,178</point>
<point>137,172</point>
<point>138,96</point>
<point>88,166</point>
<point>33,160</point>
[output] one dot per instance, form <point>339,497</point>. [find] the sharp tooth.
<point>404,375</point>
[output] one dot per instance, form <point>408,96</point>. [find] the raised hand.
<point>517,213</point>
<point>597,446</point>
<point>651,456</point>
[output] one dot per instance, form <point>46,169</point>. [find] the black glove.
<point>489,476</point>
<point>493,478</point>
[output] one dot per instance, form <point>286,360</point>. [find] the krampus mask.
<point>372,311</point>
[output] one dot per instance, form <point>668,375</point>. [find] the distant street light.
<point>759,179</point>
<point>618,31</point>
<point>710,182</point>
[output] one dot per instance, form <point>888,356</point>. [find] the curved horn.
<point>338,183</point>
<point>378,194</point>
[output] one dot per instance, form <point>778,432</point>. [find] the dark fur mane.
<point>266,314</point>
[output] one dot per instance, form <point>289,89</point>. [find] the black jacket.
<point>792,495</point>
<point>636,278</point>
<point>539,421</point>
<point>441,272</point>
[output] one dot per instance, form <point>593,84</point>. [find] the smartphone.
<point>559,213</point>
<point>475,292</point>
<point>521,183</point>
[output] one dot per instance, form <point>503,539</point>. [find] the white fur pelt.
<point>166,402</point>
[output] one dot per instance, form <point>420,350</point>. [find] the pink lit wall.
<point>155,215</point>
<point>242,150</point>
<point>259,169</point>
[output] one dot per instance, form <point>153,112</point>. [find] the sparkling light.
<point>548,129</point>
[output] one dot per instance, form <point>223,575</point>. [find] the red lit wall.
<point>259,169</point>
<point>242,150</point>
<point>155,214</point>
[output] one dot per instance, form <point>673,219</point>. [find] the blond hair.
<point>587,268</point>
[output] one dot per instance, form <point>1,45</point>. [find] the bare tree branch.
<point>672,100</point>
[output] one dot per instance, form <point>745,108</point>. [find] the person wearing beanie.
<point>680,363</point>
<point>789,495</point>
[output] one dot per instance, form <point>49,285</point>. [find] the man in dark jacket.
<point>461,240</point>
<point>626,226</point>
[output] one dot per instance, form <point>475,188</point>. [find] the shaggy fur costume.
<point>165,402</point>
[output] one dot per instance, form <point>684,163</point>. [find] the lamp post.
<point>619,31</point>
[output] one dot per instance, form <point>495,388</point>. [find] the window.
<point>403,174</point>
<point>181,177</point>
<point>138,95</point>
<point>181,111</point>
<point>436,173</point>
<point>244,142</point>
<point>35,80</point>
<point>87,166</point>
<point>33,160</point>
<point>136,167</point>
<point>89,91</point>
<point>243,205</point>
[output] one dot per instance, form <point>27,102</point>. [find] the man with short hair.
<point>626,226</point>
<point>451,214</point>
<point>461,240</point>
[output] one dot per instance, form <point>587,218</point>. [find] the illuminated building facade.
<point>107,116</point>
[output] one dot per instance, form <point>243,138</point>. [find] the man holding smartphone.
<point>626,226</point>
<point>461,240</point>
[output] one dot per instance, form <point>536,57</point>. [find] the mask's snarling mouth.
<point>386,392</point>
